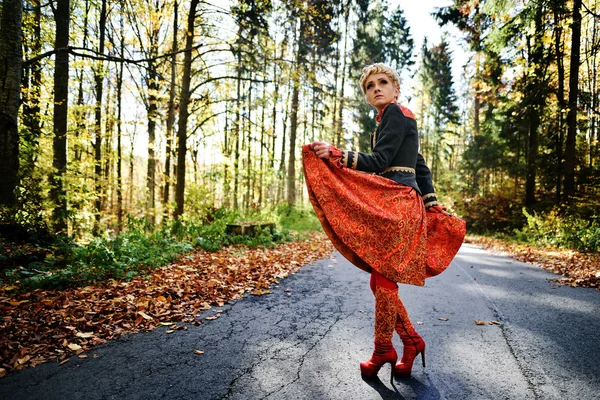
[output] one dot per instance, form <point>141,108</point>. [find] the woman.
<point>379,222</point>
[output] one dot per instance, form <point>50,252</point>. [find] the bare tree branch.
<point>95,55</point>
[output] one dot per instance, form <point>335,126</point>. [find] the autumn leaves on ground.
<point>41,325</point>
<point>576,268</point>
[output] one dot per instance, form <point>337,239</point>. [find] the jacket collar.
<point>378,117</point>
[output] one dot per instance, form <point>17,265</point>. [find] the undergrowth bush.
<point>494,212</point>
<point>563,231</point>
<point>297,219</point>
<point>140,247</point>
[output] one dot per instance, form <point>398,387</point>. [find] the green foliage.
<point>495,212</point>
<point>564,231</point>
<point>140,248</point>
<point>436,75</point>
<point>301,220</point>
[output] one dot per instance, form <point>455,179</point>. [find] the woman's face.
<point>380,90</point>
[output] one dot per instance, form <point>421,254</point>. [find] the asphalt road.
<point>305,340</point>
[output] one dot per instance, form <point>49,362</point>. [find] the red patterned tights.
<point>390,313</point>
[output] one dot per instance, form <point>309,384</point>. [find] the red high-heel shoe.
<point>413,345</point>
<point>384,353</point>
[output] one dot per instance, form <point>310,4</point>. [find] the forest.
<point>132,131</point>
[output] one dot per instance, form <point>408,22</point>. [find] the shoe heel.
<point>423,357</point>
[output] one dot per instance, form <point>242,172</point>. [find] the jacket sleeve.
<point>425,183</point>
<point>390,135</point>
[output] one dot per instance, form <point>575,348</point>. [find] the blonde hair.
<point>379,68</point>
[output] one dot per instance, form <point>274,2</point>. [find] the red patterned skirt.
<point>379,224</point>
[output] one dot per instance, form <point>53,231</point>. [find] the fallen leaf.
<point>494,323</point>
<point>169,331</point>
<point>2,372</point>
<point>84,335</point>
<point>144,315</point>
<point>82,356</point>
<point>420,322</point>
<point>443,319</point>
<point>162,299</point>
<point>74,347</point>
<point>198,352</point>
<point>16,303</point>
<point>63,362</point>
<point>479,322</point>
<point>24,359</point>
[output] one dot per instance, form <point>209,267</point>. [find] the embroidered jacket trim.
<point>400,169</point>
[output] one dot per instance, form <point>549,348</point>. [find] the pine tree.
<point>378,39</point>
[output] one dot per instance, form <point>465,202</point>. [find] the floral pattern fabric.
<point>379,224</point>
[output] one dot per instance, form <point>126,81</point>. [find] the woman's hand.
<point>438,209</point>
<point>321,149</point>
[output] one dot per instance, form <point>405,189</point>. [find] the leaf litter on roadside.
<point>578,269</point>
<point>41,325</point>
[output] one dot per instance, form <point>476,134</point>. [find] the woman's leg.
<point>386,295</point>
<point>413,343</point>
<point>403,323</point>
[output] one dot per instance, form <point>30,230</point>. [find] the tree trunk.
<point>558,49</point>
<point>11,59</point>
<point>477,100</point>
<point>61,92</point>
<point>31,107</point>
<point>570,149</point>
<point>131,173</point>
<point>184,111</point>
<point>249,146</point>
<point>108,154</point>
<point>171,115</point>
<point>99,81</point>
<point>338,131</point>
<point>227,154</point>
<point>262,138</point>
<point>282,171</point>
<point>291,173</point>
<point>236,130</point>
<point>119,93</point>
<point>536,101</point>
<point>334,98</point>
<point>313,105</point>
<point>78,148</point>
<point>152,117</point>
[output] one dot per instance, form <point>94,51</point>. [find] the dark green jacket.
<point>395,153</point>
